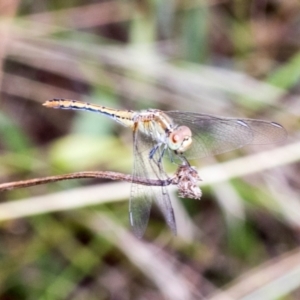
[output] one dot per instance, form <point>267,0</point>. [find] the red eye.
<point>175,138</point>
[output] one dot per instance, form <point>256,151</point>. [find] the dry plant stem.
<point>186,179</point>
<point>264,280</point>
<point>94,15</point>
<point>85,16</point>
<point>8,9</point>
<point>155,263</point>
<point>79,175</point>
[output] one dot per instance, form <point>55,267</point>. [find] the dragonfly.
<point>179,135</point>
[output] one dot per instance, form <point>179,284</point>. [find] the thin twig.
<point>85,174</point>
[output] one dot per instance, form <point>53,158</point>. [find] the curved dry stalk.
<point>186,179</point>
<point>80,175</point>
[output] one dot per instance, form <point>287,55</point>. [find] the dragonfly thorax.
<point>161,128</point>
<point>180,139</point>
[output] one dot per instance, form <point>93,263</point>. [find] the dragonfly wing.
<point>165,205</point>
<point>162,196</point>
<point>214,135</point>
<point>142,196</point>
<point>139,209</point>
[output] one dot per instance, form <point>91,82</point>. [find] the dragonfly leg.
<point>171,156</point>
<point>160,153</point>
<point>184,160</point>
<point>153,151</point>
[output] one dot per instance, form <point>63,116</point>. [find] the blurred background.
<point>71,240</point>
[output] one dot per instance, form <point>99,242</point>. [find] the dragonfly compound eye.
<point>180,139</point>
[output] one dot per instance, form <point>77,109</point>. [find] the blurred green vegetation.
<point>231,58</point>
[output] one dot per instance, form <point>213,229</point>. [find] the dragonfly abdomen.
<point>124,117</point>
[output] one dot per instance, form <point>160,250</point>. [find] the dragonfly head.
<point>180,139</point>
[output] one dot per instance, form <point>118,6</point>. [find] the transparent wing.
<point>214,135</point>
<point>141,195</point>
